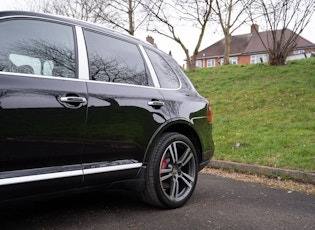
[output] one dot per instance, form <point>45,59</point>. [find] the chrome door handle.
<point>156,103</point>
<point>73,100</point>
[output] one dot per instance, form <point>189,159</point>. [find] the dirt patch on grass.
<point>289,185</point>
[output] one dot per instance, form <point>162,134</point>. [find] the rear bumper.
<point>204,132</point>
<point>206,159</point>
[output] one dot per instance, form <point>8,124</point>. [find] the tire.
<point>172,172</point>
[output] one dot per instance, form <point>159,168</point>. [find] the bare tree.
<point>167,17</point>
<point>125,15</point>
<point>230,15</point>
<point>279,16</point>
<point>81,9</point>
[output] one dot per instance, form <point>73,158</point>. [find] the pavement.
<point>217,203</point>
<point>305,177</point>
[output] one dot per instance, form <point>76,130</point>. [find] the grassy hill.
<point>263,115</point>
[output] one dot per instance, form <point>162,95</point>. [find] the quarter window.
<point>114,60</point>
<point>164,72</point>
<point>37,47</point>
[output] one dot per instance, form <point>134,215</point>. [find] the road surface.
<point>217,203</point>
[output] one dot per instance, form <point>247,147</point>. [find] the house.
<point>151,40</point>
<point>248,49</point>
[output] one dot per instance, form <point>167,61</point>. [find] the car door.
<point>42,108</point>
<point>124,110</point>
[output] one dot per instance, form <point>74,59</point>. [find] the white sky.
<point>188,35</point>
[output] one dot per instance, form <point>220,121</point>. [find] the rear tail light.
<point>209,113</point>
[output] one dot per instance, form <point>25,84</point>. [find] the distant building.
<point>151,40</point>
<point>248,49</point>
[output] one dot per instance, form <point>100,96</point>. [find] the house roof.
<point>251,43</point>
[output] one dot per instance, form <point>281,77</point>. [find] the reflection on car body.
<point>92,107</point>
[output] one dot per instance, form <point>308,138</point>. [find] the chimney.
<point>150,40</point>
<point>254,29</point>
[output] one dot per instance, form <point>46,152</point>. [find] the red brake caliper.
<point>163,165</point>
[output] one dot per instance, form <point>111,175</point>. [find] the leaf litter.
<point>279,183</point>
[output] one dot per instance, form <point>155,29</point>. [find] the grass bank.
<point>262,114</point>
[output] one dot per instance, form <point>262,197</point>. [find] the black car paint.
<point>41,134</point>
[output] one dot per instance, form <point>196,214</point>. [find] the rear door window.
<point>37,47</point>
<point>114,60</point>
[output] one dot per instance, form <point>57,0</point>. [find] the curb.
<point>264,170</point>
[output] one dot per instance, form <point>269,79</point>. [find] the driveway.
<point>218,203</point>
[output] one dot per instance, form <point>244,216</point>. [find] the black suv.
<point>82,106</point>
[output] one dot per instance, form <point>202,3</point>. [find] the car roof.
<point>73,21</point>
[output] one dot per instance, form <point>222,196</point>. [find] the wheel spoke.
<point>187,179</point>
<point>174,189</point>
<point>173,151</point>
<point>168,170</point>
<point>177,172</point>
<point>163,178</point>
<point>186,157</point>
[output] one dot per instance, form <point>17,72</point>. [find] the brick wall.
<point>244,60</point>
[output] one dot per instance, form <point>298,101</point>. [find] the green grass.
<point>268,110</point>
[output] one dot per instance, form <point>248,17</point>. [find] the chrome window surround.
<point>83,68</point>
<point>150,66</point>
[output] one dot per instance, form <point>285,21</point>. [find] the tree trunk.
<point>276,55</point>
<point>227,47</point>
<point>191,62</point>
<point>130,15</point>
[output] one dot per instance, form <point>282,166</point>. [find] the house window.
<point>198,63</point>
<point>210,63</point>
<point>233,60</point>
<point>297,52</point>
<point>257,58</point>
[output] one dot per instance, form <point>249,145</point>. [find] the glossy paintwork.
<point>36,129</point>
<point>188,106</point>
<point>108,139</point>
<point>120,122</point>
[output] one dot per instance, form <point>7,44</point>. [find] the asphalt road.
<point>217,203</point>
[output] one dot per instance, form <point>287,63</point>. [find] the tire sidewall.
<point>155,160</point>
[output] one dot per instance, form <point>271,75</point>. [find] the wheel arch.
<point>183,127</point>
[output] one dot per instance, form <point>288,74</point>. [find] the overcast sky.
<point>188,35</point>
